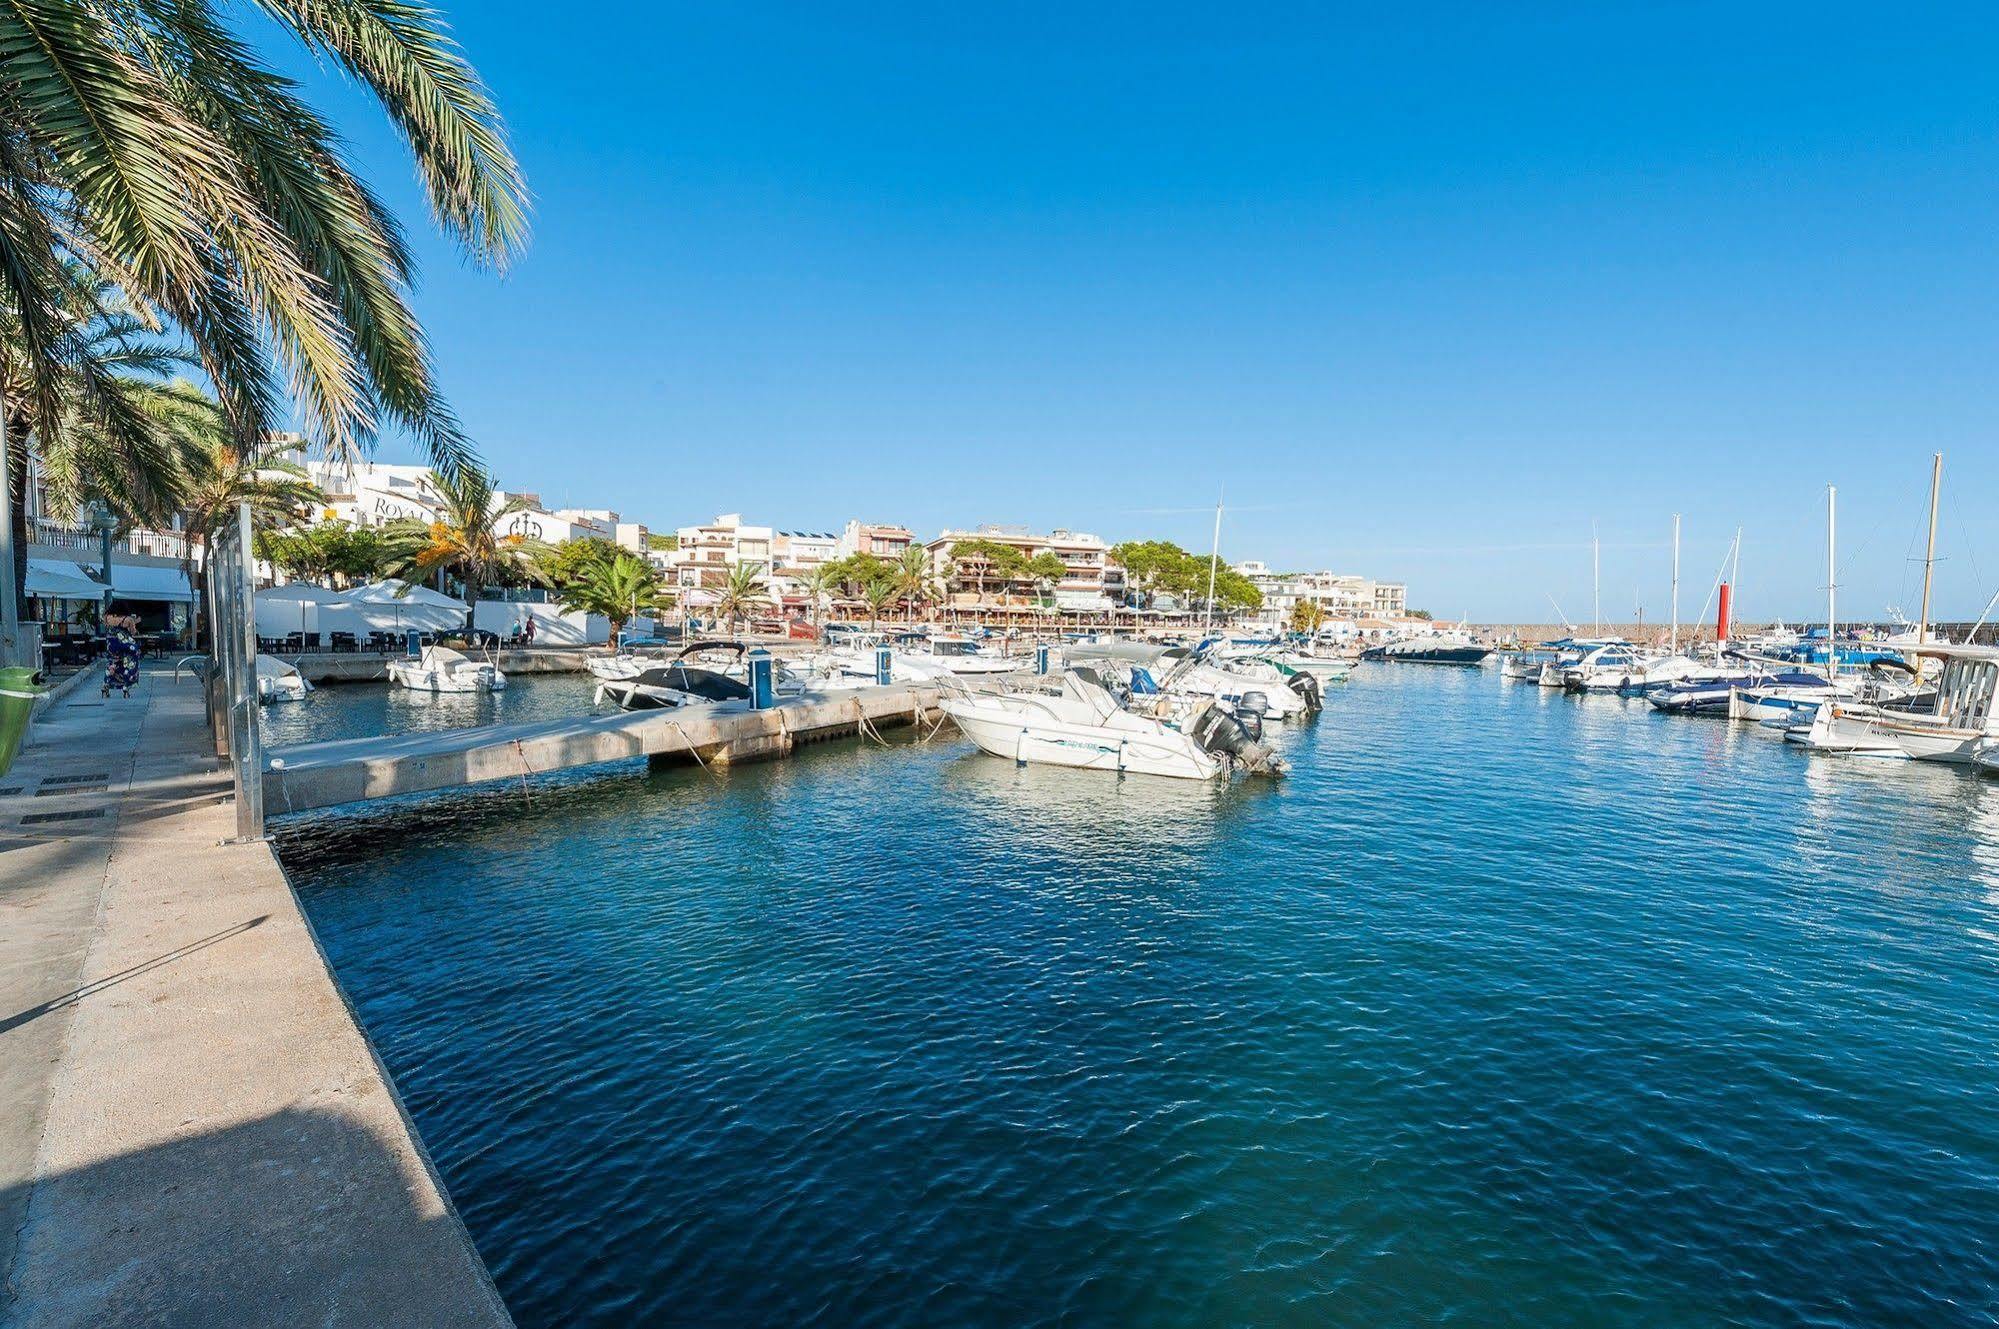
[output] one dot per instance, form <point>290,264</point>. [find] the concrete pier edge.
<point>197,1128</point>
<point>416,1139</point>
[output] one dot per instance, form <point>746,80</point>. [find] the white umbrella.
<point>385,604</point>
<point>277,605</point>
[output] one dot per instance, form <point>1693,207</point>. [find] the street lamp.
<point>104,522</point>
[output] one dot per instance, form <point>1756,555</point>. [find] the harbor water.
<point>1506,1008</point>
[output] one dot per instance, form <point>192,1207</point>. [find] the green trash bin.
<point>18,691</point>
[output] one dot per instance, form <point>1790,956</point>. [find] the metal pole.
<point>249,757</point>
<point>1596,577</point>
<point>1214,562</point>
<point>1929,562</point>
<point>1831,584</point>
<point>1674,647</point>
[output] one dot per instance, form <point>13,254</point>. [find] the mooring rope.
<point>692,750</point>
<point>527,769</point>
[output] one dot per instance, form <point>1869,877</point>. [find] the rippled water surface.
<point>1507,1008</point>
<point>360,710</point>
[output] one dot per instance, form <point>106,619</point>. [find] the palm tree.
<point>109,425</point>
<point>150,139</point>
<point>221,478</point>
<point>913,578</point>
<point>618,588</point>
<point>877,595</point>
<point>461,538</point>
<point>742,594</point>
<point>821,584</point>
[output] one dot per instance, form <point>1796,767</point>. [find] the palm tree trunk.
<point>18,427</point>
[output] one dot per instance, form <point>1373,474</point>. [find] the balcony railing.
<point>139,544</point>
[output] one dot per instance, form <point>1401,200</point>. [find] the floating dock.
<point>318,775</point>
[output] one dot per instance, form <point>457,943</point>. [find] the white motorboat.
<point>1083,726</point>
<point>1619,667</point>
<point>278,681</point>
<point>621,666</point>
<point>940,655</point>
<point>1325,668</point>
<point>1273,698</point>
<point>1881,683</point>
<point>1846,731</point>
<point>700,673</point>
<point>442,669</point>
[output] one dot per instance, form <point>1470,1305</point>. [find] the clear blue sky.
<point>1428,289</point>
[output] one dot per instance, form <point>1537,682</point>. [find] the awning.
<point>133,581</point>
<point>55,579</point>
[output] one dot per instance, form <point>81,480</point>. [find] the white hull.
<point>1280,702</point>
<point>1052,743</point>
<point>443,670</point>
<point>444,681</point>
<point>1845,733</point>
<point>278,681</point>
<point>617,667</point>
<point>1331,671</point>
<point>271,690</point>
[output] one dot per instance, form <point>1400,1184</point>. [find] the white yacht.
<point>1083,726</point>
<point>442,669</point>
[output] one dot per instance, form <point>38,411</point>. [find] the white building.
<point>370,493</point>
<point>881,540</point>
<point>1341,595</point>
<point>708,551</point>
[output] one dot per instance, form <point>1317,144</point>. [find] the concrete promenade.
<point>193,1130</point>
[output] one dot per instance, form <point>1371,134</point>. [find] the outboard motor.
<point>1250,720</point>
<point>1253,703</point>
<point>1307,688</point>
<point>1227,735</point>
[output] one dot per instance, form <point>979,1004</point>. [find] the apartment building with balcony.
<point>1087,585</point>
<point>1340,595</point>
<point>878,539</point>
<point>706,552</point>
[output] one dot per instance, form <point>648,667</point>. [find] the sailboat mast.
<point>1214,562</point>
<point>1735,574</point>
<point>1831,584</point>
<point>1596,577</point>
<point>1929,560</point>
<point>1673,647</point>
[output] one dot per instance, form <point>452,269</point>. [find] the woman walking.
<point>121,665</point>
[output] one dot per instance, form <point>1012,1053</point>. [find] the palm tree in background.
<point>149,139</point>
<point>742,594</point>
<point>462,537</point>
<point>619,588</point>
<point>220,478</point>
<point>112,425</point>
<point>821,585</point>
<point>913,578</point>
<point>878,595</point>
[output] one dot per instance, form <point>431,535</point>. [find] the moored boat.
<point>1083,726</point>
<point>441,669</point>
<point>1439,650</point>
